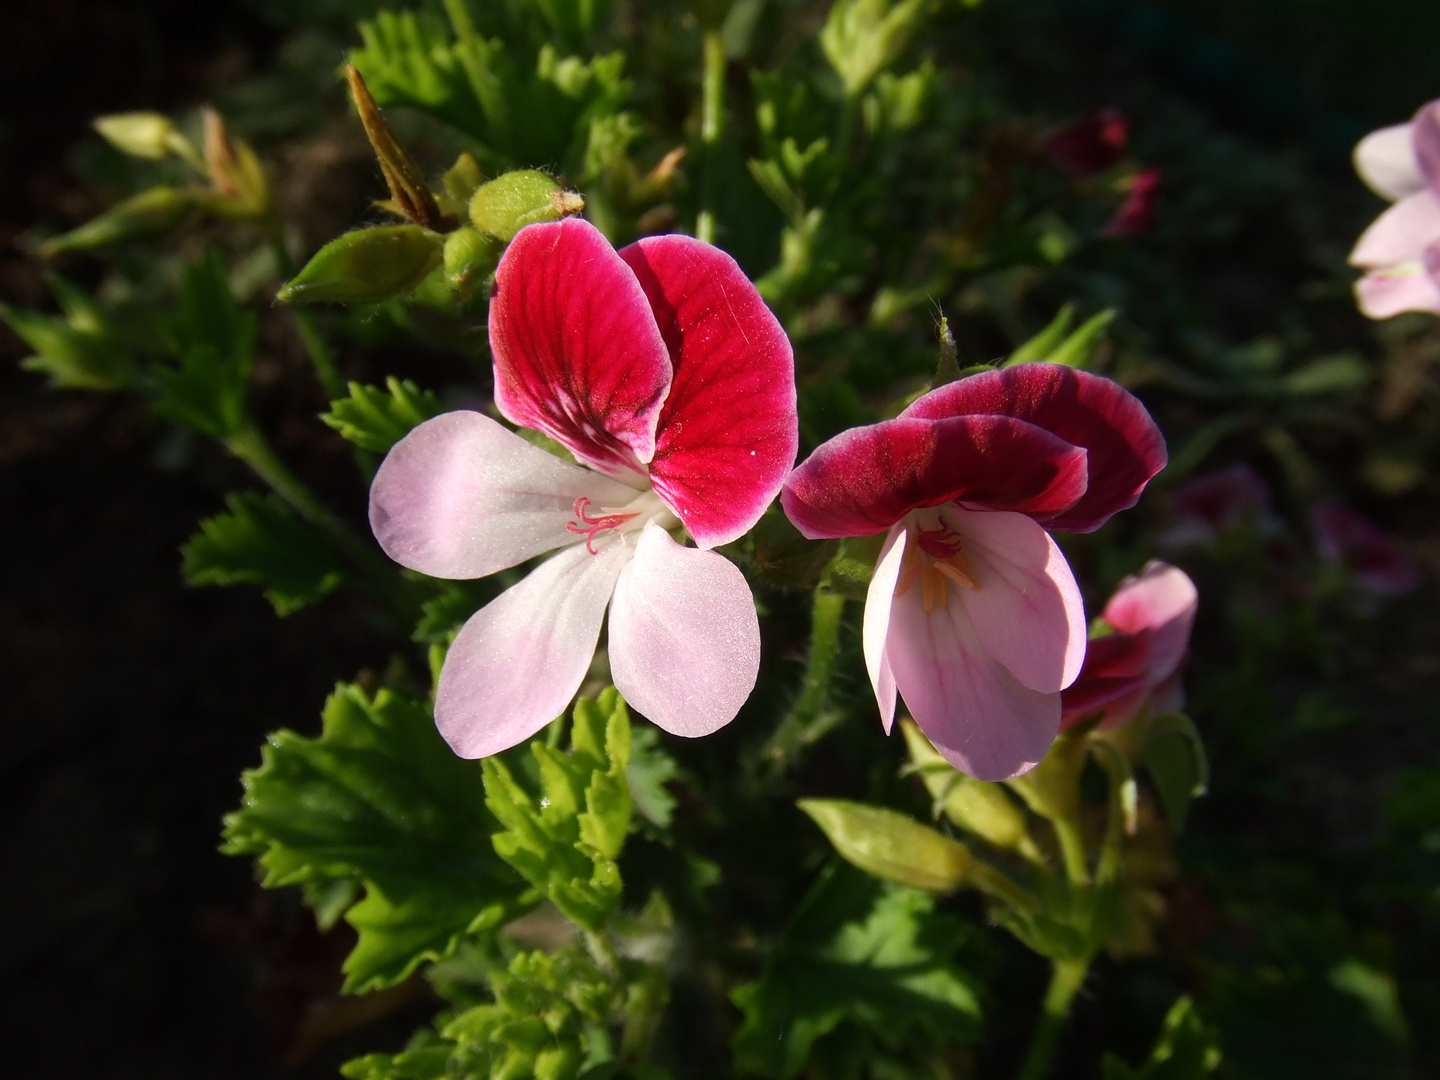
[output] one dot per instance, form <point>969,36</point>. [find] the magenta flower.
<point>1091,144</point>
<point>1216,503</point>
<point>1348,540</point>
<point>1137,212</point>
<point>661,370</point>
<point>1400,252</point>
<point>973,614</point>
<point>1151,615</point>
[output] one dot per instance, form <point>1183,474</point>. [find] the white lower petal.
<point>876,626</point>
<point>520,659</point>
<point>684,636</point>
<point>1027,610</point>
<point>1406,287</point>
<point>1401,234</point>
<point>1385,160</point>
<point>462,497</point>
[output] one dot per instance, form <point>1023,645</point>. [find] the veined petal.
<point>1385,160</point>
<point>729,431</point>
<point>1400,234</point>
<point>684,636</point>
<point>977,714</point>
<point>520,659</point>
<point>1027,612</point>
<point>1119,697</point>
<point>1125,447</point>
<point>577,352</point>
<point>876,628</point>
<point>1404,287</point>
<point>864,480</point>
<point>1161,599</point>
<point>461,497</point>
<point>1425,133</point>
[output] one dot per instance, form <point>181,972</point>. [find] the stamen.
<point>588,526</point>
<point>957,569</point>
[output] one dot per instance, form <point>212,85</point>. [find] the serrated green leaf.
<point>376,419</point>
<point>861,38</point>
<point>1187,1049</point>
<point>260,541</point>
<point>650,769</point>
<point>862,953</point>
<point>379,800</point>
<point>82,350</point>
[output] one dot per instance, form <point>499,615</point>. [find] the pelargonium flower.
<point>1091,144</point>
<point>661,370</point>
<point>1213,504</point>
<point>973,615</point>
<point>1150,617</point>
<point>1137,212</point>
<point>1400,252</point>
<point>1356,543</point>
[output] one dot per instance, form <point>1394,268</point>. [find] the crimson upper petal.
<point>578,354</point>
<point>864,480</point>
<point>1125,446</point>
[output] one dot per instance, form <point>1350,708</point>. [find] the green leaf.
<point>1331,375</point>
<point>379,800</point>
<point>565,842</point>
<point>1057,345</point>
<point>861,38</point>
<point>261,541</point>
<point>147,214</point>
<point>1175,759</point>
<point>376,419</point>
<point>861,953</point>
<point>1187,1049</point>
<point>82,350</point>
<point>650,769</point>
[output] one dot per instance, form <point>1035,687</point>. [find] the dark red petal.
<point>864,480</point>
<point>729,431</point>
<point>1126,448</point>
<point>1117,655</point>
<point>1089,696</point>
<point>577,352</point>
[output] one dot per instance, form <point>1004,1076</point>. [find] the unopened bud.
<point>508,203</point>
<point>236,172</point>
<point>470,257</point>
<point>148,135</point>
<point>366,266</point>
<point>981,808</point>
<point>462,178</point>
<point>155,211</point>
<point>892,846</point>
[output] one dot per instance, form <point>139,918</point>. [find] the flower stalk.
<point>712,114</point>
<point>1065,981</point>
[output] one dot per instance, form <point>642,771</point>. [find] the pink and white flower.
<point>973,615</point>
<point>1355,543</point>
<point>1400,252</point>
<point>662,371</point>
<point>1150,617</point>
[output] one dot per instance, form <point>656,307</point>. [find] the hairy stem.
<point>1065,983</point>
<point>806,721</point>
<point>1072,849</point>
<point>712,115</point>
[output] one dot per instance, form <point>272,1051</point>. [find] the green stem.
<point>1001,886</point>
<point>315,348</point>
<point>1065,983</point>
<point>712,115</point>
<point>1072,849</point>
<point>806,721</point>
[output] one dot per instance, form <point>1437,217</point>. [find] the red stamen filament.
<point>588,526</point>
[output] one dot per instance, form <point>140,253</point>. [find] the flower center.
<point>932,558</point>
<point>589,526</point>
<point>646,507</point>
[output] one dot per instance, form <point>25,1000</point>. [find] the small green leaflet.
<point>260,541</point>
<point>1187,1049</point>
<point>1057,344</point>
<point>376,419</point>
<point>566,841</point>
<point>650,769</point>
<point>380,801</point>
<point>82,350</point>
<point>861,953</point>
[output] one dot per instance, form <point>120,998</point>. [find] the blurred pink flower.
<point>1400,252</point>
<point>972,613</point>
<point>1091,144</point>
<point>662,371</point>
<point>1151,615</point>
<point>1137,212</point>
<point>1346,539</point>
<point>1212,504</point>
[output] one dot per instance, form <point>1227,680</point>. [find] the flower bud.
<point>155,211</point>
<point>470,257</point>
<point>149,135</point>
<point>366,266</point>
<point>239,179</point>
<point>891,846</point>
<point>508,203</point>
<point>981,808</point>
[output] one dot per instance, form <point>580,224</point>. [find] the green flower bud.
<point>470,257</point>
<point>981,808</point>
<point>891,846</point>
<point>366,266</point>
<point>462,178</point>
<point>241,189</point>
<point>155,211</point>
<point>148,135</point>
<point>508,203</point>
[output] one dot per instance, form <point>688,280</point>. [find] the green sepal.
<point>379,800</point>
<point>505,205</point>
<point>158,210</point>
<point>376,419</point>
<point>260,541</point>
<point>1175,758</point>
<point>366,266</point>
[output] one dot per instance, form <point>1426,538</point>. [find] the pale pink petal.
<point>1401,234</point>
<point>684,636</point>
<point>977,714</point>
<point>1161,599</point>
<point>1403,287</point>
<point>1385,160</point>
<point>1027,611</point>
<point>876,625</point>
<point>520,659</point>
<point>577,352</point>
<point>729,431</point>
<point>462,497</point>
<point>1425,134</point>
